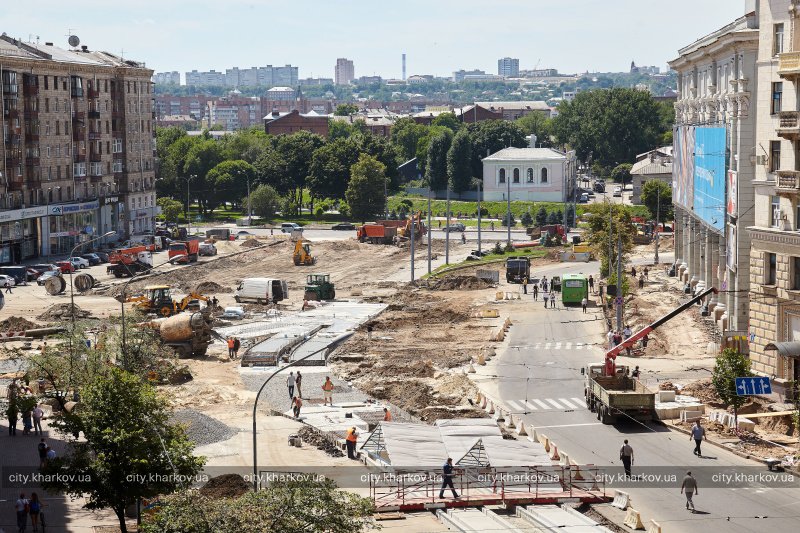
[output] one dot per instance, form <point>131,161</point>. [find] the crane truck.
<point>130,261</point>
<point>609,389</point>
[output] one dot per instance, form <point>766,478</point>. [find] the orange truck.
<point>382,232</point>
<point>189,249</point>
<point>128,262</point>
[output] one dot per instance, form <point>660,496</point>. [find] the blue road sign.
<point>753,385</point>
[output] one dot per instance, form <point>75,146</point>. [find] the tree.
<point>340,129</point>
<point>459,169</point>
<point>406,135</point>
<point>365,192</point>
<point>526,219</point>
<point>657,196</point>
<point>170,209</point>
<point>265,201</point>
<point>552,218</point>
<point>270,169</point>
<point>508,217</point>
<point>622,173</point>
<point>230,179</point>
<point>293,506</point>
<point>436,166</point>
<point>617,218</point>
<point>329,172</point>
<point>541,216</point>
<point>131,449</point>
<point>536,124</point>
<point>449,121</point>
<point>730,365</point>
<point>200,159</point>
<point>384,151</point>
<point>297,150</point>
<point>614,125</point>
<point>490,136</point>
<point>345,110</point>
<point>425,141</point>
<point>570,216</point>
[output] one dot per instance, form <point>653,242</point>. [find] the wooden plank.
<point>768,415</point>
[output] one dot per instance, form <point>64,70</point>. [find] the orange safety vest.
<point>387,417</point>
<point>230,343</point>
<point>351,436</point>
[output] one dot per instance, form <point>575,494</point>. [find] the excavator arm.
<point>611,355</point>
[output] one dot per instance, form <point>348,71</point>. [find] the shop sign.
<point>20,214</point>
<point>63,209</point>
<point>110,200</point>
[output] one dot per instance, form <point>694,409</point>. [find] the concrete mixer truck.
<point>189,334</point>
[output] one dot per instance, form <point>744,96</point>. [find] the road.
<point>538,376</point>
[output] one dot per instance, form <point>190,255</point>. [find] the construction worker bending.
<point>350,442</point>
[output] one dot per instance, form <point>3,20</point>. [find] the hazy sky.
<point>438,36</point>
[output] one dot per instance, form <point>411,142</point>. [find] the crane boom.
<point>611,355</point>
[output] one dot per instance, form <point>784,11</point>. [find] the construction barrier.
<point>481,359</point>
<point>555,456</point>
<point>491,408</point>
<point>621,499</point>
<point>633,520</point>
<point>510,423</point>
<point>654,527</point>
<point>470,369</point>
<point>521,429</point>
<point>535,436</point>
<point>498,334</point>
<point>483,402</point>
<point>546,442</point>
<point>577,476</point>
<point>564,459</point>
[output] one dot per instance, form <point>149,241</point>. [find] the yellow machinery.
<point>158,299</point>
<point>302,253</point>
<point>415,224</point>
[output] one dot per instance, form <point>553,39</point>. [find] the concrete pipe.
<point>83,282</point>
<point>55,285</point>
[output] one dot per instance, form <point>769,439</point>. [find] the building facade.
<point>529,174</point>
<point>508,67</point>
<point>167,78</point>
<point>344,72</point>
<point>654,165</point>
<point>713,168</point>
<point>77,156</point>
<point>277,123</point>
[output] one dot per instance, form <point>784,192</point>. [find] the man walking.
<point>610,338</point>
<point>38,414</point>
<point>350,441</point>
<point>387,416</point>
<point>290,384</point>
<point>626,455</point>
<point>42,449</point>
<point>231,351</point>
<point>525,285</point>
<point>447,478</point>
<point>535,292</point>
<point>327,392</point>
<point>21,507</point>
<point>698,434</point>
<point>584,303</point>
<point>689,487</point>
<point>545,296</point>
<point>552,299</point>
<point>297,403</point>
<point>591,284</point>
<point>297,383</point>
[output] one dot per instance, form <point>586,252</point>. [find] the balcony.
<point>31,161</point>
<point>79,158</point>
<point>10,88</point>
<point>31,137</point>
<point>31,114</point>
<point>93,94</point>
<point>35,183</point>
<point>789,65</point>
<point>78,115</point>
<point>30,89</point>
<point>78,134</point>
<point>16,184</point>
<point>12,139</point>
<point>95,158</point>
<point>788,182</point>
<point>11,112</point>
<point>94,135</point>
<point>93,113</point>
<point>13,160</point>
<point>789,127</point>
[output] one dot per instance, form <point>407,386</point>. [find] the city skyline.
<point>436,39</point>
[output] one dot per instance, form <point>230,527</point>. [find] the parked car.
<point>44,267</point>
<point>243,233</point>
<point>7,281</point>
<point>584,199</point>
<point>344,226</point>
<point>457,227</point>
<point>103,256</point>
<point>92,258</point>
<point>206,248</point>
<point>233,313</point>
<point>617,191</point>
<point>288,227</point>
<point>47,275</point>
<point>65,267</point>
<point>80,262</point>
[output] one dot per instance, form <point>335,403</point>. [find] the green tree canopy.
<point>657,196</point>
<point>230,180</point>
<point>329,172</point>
<point>617,218</point>
<point>201,158</point>
<point>365,192</point>
<point>622,173</point>
<point>490,136</point>
<point>449,121</point>
<point>340,129</point>
<point>265,200</point>
<point>537,124</point>
<point>730,365</point>
<point>541,216</point>
<point>459,159</point>
<point>436,165</point>
<point>613,125</point>
<point>297,150</point>
<point>170,209</point>
<point>345,110</point>
<point>406,135</point>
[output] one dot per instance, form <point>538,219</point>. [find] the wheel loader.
<point>302,253</point>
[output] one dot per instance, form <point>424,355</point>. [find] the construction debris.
<point>449,283</point>
<point>315,437</point>
<point>16,323</point>
<point>210,287</point>
<point>225,486</point>
<point>63,311</point>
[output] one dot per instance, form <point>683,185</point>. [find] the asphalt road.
<point>538,376</point>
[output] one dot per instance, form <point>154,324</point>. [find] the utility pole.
<point>508,209</point>
<point>413,231</point>
<point>610,242</point>
<point>620,298</point>
<point>478,183</point>
<point>658,221</point>
<point>447,230</point>
<point>430,230</point>
<point>249,204</point>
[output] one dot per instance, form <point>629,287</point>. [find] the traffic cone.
<point>491,408</point>
<point>470,369</point>
<point>510,424</point>
<point>483,402</point>
<point>577,476</point>
<point>555,456</point>
<point>521,430</point>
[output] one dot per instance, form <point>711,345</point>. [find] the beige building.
<point>345,72</point>
<point>77,156</point>
<point>653,165</point>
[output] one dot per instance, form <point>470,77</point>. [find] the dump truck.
<point>130,261</point>
<point>377,233</point>
<point>189,249</point>
<point>517,269</point>
<point>189,334</point>
<point>618,396</point>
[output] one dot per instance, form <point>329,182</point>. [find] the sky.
<point>438,36</point>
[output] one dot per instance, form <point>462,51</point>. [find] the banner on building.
<point>709,176</point>
<point>733,194</point>
<point>730,247</point>
<point>683,165</point>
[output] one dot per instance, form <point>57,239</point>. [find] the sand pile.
<point>16,323</point>
<point>249,243</point>
<point>225,486</point>
<point>450,283</point>
<point>210,287</point>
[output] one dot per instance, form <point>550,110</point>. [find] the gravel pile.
<point>276,395</point>
<point>202,429</point>
<point>314,437</point>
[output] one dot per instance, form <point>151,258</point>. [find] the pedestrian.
<point>546,297</point>
<point>646,273</point>
<point>271,232</point>
<point>633,272</point>
<point>636,373</point>
<point>297,403</point>
<point>698,434</point>
<point>552,299</point>
<point>440,224</point>
<point>387,416</point>
<point>641,281</point>
<point>645,340</point>
<point>42,449</point>
<point>610,338</point>
<point>626,455</point>
<point>22,506</point>
<point>525,285</point>
<point>584,303</point>
<point>463,238</point>
<point>13,415</point>
<point>290,384</point>
<point>327,391</point>
<point>27,422</point>
<point>236,345</point>
<point>447,478</point>
<point>492,226</point>
<point>51,455</point>
<point>214,302</point>
<point>591,284</point>
<point>626,334</point>
<point>617,338</point>
<point>535,292</point>
<point>689,487</point>
<point>298,381</point>
<point>35,509</point>
<point>350,440</point>
<point>231,351</point>
<point>8,287</point>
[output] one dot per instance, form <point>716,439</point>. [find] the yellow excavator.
<point>302,253</point>
<point>413,224</point>
<point>158,299</point>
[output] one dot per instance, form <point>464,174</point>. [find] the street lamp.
<point>122,303</point>
<point>72,268</point>
<point>188,199</point>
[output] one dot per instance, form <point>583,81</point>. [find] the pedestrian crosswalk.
<point>558,346</point>
<point>545,404</point>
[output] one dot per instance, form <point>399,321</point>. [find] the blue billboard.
<point>709,176</point>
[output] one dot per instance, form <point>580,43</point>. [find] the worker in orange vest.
<point>350,441</point>
<point>231,347</point>
<point>327,391</point>
<point>387,416</point>
<point>297,403</point>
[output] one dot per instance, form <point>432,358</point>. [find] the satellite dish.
<point>74,41</point>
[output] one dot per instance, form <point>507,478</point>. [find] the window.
<point>777,96</point>
<point>771,270</point>
<point>775,212</point>
<point>516,175</point>
<point>777,39</point>
<point>46,86</point>
<point>46,104</point>
<point>530,175</point>
<point>774,156</point>
<point>502,176</point>
<point>796,273</point>
<point>544,175</point>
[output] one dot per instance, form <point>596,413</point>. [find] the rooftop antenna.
<point>73,40</point>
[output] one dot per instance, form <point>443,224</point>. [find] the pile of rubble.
<point>16,323</point>
<point>315,437</point>
<point>63,312</point>
<point>451,283</point>
<point>225,486</point>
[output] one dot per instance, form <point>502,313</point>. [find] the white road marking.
<point>557,346</point>
<point>547,346</point>
<point>570,425</point>
<point>579,401</point>
<point>541,404</point>
<point>553,402</point>
<point>566,402</point>
<point>568,346</point>
<point>531,406</point>
<point>514,405</point>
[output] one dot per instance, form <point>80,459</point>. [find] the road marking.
<point>531,406</point>
<point>541,404</point>
<point>579,346</point>
<point>557,346</point>
<point>558,405</point>
<point>514,405</point>
<point>547,346</point>
<point>570,425</point>
<point>568,346</point>
<point>566,402</point>
<point>579,401</point>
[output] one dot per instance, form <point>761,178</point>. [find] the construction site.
<point>422,351</point>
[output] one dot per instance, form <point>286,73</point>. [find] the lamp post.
<point>122,304</point>
<point>188,200</point>
<point>72,268</point>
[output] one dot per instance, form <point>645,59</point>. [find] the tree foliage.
<point>406,135</point>
<point>292,507</point>
<point>170,209</point>
<point>449,121</point>
<point>537,124</point>
<point>617,219</point>
<point>541,216</point>
<point>345,110</point>
<point>459,169</point>
<point>365,192</point>
<point>730,365</point>
<point>622,173</point>
<point>657,197</point>
<point>436,166</point>
<point>329,172</point>
<point>490,136</point>
<point>230,179</point>
<point>265,201</point>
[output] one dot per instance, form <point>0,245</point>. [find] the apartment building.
<point>713,169</point>
<point>77,151</point>
<point>268,76</point>
<point>508,67</point>
<point>344,72</point>
<point>205,79</point>
<point>167,78</point>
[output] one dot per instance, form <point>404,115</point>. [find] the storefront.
<point>71,224</point>
<point>19,234</point>
<point>111,216</point>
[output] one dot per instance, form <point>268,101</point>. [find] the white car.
<point>80,262</point>
<point>617,191</point>
<point>7,281</point>
<point>234,313</point>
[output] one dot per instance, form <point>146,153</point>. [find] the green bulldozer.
<point>319,287</point>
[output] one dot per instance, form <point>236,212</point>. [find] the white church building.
<point>529,174</point>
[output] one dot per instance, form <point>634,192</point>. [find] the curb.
<point>720,445</point>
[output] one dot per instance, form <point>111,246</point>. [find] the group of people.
<point>543,285</point>
<point>29,506</point>
<point>233,347</point>
<point>616,337</point>
<point>645,275</point>
<point>32,413</point>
